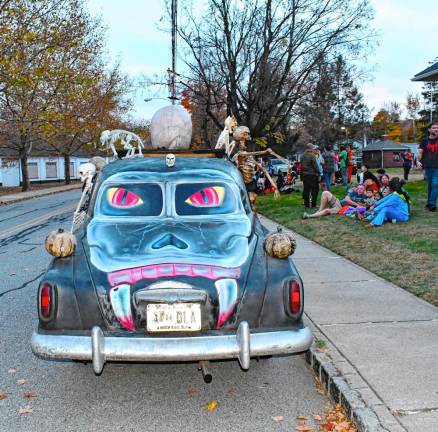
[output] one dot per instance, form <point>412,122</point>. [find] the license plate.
<point>173,317</point>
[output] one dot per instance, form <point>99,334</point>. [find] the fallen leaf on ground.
<point>303,428</point>
<point>301,417</point>
<point>277,419</point>
<point>191,392</point>
<point>29,394</point>
<point>3,395</point>
<point>317,418</point>
<point>211,406</point>
<point>25,410</point>
<point>21,381</point>
<point>12,371</point>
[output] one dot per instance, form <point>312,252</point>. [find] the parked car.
<point>170,266</point>
<point>277,165</point>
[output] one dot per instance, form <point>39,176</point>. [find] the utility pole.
<point>172,72</point>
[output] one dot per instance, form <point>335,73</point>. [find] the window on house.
<point>72,169</point>
<point>33,170</point>
<point>51,170</point>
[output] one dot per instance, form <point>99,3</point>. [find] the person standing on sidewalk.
<point>328,167</point>
<point>310,176</point>
<point>408,162</point>
<point>343,158</point>
<point>427,158</point>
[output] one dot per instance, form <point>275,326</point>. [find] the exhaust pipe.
<point>205,367</point>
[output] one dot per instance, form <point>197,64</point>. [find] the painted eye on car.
<point>122,198</point>
<point>208,197</point>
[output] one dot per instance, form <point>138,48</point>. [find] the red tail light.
<point>294,296</point>
<point>46,300</point>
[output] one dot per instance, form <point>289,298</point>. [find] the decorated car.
<point>167,262</point>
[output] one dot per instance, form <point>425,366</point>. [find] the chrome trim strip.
<point>100,348</point>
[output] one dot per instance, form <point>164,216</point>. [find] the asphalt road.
<point>126,397</point>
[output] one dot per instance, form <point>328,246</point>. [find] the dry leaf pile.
<point>334,420</point>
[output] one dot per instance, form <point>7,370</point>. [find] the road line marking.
<point>35,221</point>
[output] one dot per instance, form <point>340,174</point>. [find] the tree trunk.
<point>67,169</point>
<point>24,173</point>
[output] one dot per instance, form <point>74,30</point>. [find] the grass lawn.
<point>403,253</point>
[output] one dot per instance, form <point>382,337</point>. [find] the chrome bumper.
<point>100,348</point>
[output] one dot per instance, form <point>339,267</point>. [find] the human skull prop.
<point>170,160</point>
<point>87,171</point>
<point>242,133</point>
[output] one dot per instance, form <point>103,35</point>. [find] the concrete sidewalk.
<point>382,339</point>
<point>22,196</point>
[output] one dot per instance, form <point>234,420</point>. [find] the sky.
<point>406,32</point>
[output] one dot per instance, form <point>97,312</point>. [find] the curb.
<point>345,386</point>
<point>29,197</point>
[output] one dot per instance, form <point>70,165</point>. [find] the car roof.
<point>182,164</point>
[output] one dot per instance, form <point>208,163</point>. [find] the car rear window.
<point>142,199</point>
<point>197,199</point>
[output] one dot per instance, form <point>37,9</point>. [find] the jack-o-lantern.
<point>280,244</point>
<point>60,243</point>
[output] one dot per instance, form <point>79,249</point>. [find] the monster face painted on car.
<point>153,226</point>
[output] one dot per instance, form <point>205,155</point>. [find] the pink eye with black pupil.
<point>120,197</point>
<point>207,197</point>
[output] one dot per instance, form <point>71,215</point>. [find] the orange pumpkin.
<point>60,243</point>
<point>280,245</point>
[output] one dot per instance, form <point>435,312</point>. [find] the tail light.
<point>46,300</point>
<point>295,296</point>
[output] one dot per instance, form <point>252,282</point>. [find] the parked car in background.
<point>277,165</point>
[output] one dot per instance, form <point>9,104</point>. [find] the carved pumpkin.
<point>60,243</point>
<point>280,244</point>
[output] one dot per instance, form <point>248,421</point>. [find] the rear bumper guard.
<point>100,348</point>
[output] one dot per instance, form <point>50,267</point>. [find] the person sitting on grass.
<point>367,178</point>
<point>331,205</point>
<point>384,184</point>
<point>393,207</point>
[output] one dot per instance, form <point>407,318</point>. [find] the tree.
<point>412,108</point>
<point>51,77</point>
<point>83,108</point>
<point>256,58</point>
<point>333,104</point>
<point>380,123</point>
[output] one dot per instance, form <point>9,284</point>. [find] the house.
<point>384,154</point>
<point>44,165</point>
<point>428,75</point>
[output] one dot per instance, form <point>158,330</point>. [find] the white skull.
<point>170,160</point>
<point>87,171</point>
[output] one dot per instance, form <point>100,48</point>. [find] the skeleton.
<point>109,138</point>
<point>170,160</point>
<point>247,164</point>
<point>87,173</point>
<point>223,141</point>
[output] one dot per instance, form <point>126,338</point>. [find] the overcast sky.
<point>408,32</point>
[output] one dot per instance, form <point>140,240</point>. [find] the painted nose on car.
<point>170,240</point>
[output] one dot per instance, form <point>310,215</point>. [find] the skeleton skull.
<point>87,171</point>
<point>170,160</point>
<point>242,133</point>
